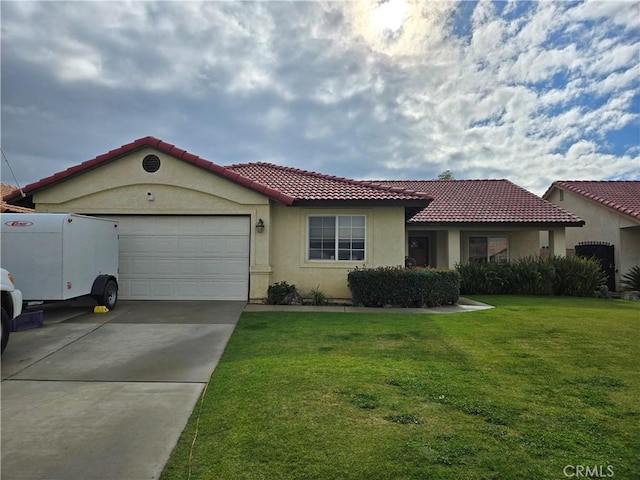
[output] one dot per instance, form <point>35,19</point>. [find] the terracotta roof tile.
<point>484,201</point>
<point>622,196</point>
<point>304,185</point>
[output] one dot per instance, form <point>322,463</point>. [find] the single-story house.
<point>611,211</point>
<point>193,229</point>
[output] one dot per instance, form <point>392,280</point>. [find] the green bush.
<point>281,294</point>
<point>404,287</point>
<point>569,276</point>
<point>631,279</point>
<point>318,297</point>
<point>485,278</point>
<point>576,276</point>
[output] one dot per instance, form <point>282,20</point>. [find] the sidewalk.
<point>463,305</point>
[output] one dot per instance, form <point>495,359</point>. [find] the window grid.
<point>336,237</point>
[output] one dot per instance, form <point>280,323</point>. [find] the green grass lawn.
<point>515,392</point>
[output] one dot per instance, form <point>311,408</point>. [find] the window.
<point>488,249</point>
<point>337,237</point>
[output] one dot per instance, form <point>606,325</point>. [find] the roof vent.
<point>151,163</point>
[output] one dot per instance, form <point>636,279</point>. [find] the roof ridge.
<point>166,148</point>
<point>443,181</point>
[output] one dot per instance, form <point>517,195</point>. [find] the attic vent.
<point>151,163</point>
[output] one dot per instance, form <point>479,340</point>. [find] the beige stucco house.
<point>193,229</point>
<point>611,211</point>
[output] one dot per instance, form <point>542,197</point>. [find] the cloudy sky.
<point>367,89</point>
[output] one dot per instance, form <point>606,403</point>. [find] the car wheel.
<point>109,296</point>
<point>6,327</point>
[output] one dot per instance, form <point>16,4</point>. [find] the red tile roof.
<point>5,190</point>
<point>287,185</point>
<point>623,196</point>
<point>455,201</point>
<point>484,201</point>
<point>306,186</point>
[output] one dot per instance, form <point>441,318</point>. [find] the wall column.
<point>453,247</point>
<point>260,269</point>
<point>557,242</point>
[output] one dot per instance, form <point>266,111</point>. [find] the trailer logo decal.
<point>18,223</point>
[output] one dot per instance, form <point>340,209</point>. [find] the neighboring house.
<point>611,211</point>
<point>6,190</point>
<point>192,229</point>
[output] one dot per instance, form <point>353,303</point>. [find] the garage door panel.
<point>213,266</point>
<point>141,266</point>
<point>236,266</point>
<point>162,288</point>
<point>134,289</point>
<point>237,246</point>
<point>169,257</point>
<point>189,289</point>
<point>134,244</point>
<point>166,267</point>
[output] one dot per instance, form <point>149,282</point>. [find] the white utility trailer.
<point>56,256</point>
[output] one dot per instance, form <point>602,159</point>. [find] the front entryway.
<point>419,249</point>
<point>603,252</point>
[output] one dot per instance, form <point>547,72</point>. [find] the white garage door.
<point>183,257</point>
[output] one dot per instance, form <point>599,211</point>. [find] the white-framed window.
<point>488,249</point>
<point>336,237</point>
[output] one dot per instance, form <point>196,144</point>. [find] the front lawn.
<point>532,389</point>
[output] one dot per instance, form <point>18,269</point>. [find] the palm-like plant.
<point>631,279</point>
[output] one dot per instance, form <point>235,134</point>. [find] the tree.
<point>446,175</point>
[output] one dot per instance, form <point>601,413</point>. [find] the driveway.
<point>95,396</point>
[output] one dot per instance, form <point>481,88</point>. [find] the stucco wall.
<point>178,188</point>
<point>384,247</point>
<point>122,187</point>
<point>602,224</point>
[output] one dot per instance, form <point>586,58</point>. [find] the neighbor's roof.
<point>5,190</point>
<point>623,196</point>
<point>289,186</point>
<point>306,186</point>
<point>484,201</point>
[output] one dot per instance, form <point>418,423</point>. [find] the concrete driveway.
<point>105,396</point>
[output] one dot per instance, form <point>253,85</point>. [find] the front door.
<point>419,249</point>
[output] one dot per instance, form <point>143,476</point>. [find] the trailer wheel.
<point>6,326</point>
<point>109,296</point>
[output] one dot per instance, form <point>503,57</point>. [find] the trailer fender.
<point>105,290</point>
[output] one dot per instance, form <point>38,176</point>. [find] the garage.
<point>165,257</point>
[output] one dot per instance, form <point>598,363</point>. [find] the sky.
<point>399,89</point>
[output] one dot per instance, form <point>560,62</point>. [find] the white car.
<point>11,304</point>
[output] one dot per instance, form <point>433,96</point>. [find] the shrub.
<point>485,278</point>
<point>631,279</point>
<point>404,287</point>
<point>576,276</point>
<point>282,294</point>
<point>532,276</point>
<point>570,276</point>
<point>318,297</point>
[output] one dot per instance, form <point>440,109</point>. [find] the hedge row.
<point>404,287</point>
<point>564,276</point>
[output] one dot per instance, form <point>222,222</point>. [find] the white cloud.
<point>530,91</point>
